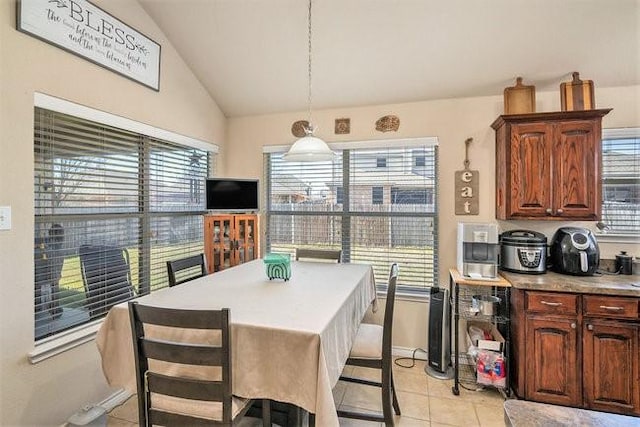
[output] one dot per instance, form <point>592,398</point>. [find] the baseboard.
<point>116,399</point>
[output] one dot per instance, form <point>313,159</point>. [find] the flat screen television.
<point>230,194</point>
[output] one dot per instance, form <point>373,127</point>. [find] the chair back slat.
<point>188,354</point>
<point>161,418</point>
<point>186,388</point>
<point>185,269</point>
<point>179,318</point>
<point>322,254</point>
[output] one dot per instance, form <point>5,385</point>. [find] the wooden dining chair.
<point>176,399</point>
<point>372,349</point>
<point>185,269</point>
<point>319,254</point>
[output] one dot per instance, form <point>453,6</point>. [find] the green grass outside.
<point>411,260</point>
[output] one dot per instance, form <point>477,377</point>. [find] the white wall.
<point>452,121</point>
<point>49,392</point>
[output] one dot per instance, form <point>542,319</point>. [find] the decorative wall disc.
<point>388,123</point>
<point>297,128</point>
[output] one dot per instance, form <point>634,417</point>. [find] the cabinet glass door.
<point>245,238</point>
<point>222,243</point>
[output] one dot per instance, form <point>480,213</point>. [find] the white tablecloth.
<point>290,339</point>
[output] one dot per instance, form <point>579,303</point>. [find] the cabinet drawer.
<point>551,302</point>
<point>618,307</point>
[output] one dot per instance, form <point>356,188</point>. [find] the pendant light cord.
<point>310,126</point>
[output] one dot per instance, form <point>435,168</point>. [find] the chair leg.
<point>396,405</point>
<point>386,397</point>
<point>266,413</point>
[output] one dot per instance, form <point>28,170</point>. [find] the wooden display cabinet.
<point>577,350</point>
<point>230,239</point>
<point>548,165</point>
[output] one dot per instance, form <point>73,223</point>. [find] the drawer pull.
<point>552,304</point>
<point>590,327</point>
<point>611,308</point>
<point>573,325</point>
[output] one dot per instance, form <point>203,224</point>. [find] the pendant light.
<point>309,148</point>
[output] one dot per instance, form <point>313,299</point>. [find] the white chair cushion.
<point>196,408</point>
<point>368,342</point>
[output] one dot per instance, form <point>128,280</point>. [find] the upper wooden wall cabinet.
<point>548,165</point>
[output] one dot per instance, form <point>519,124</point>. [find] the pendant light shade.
<point>309,148</point>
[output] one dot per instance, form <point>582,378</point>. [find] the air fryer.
<point>574,251</point>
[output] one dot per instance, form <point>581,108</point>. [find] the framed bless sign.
<point>84,29</point>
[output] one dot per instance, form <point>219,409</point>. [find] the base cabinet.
<point>230,240</point>
<point>612,359</point>
<point>577,350</point>
<point>553,374</point>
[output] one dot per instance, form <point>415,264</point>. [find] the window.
<point>381,162</point>
<point>377,195</point>
<point>346,208</point>
<point>621,181</point>
<point>111,207</point>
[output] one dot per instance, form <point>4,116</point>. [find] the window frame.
<point>410,144</point>
<point>61,340</point>
<point>611,236</point>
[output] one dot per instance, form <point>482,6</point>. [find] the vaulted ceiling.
<point>251,55</point>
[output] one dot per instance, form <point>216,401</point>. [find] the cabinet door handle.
<point>552,304</point>
<point>573,325</point>
<point>549,211</point>
<point>590,327</point>
<point>560,211</point>
<point>611,308</point>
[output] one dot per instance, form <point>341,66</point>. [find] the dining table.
<point>290,339</point>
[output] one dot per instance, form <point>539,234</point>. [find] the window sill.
<point>52,346</point>
<point>406,296</point>
<point>617,238</point>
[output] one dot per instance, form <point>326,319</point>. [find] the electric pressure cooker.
<point>523,251</point>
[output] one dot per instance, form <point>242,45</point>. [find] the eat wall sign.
<point>467,192</point>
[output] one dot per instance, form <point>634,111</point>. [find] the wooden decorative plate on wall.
<point>298,128</point>
<point>388,123</point>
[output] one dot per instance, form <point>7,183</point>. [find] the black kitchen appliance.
<point>574,251</point>
<point>523,251</point>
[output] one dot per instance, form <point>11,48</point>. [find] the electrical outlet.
<point>5,217</point>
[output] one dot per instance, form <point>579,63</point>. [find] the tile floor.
<point>424,402</point>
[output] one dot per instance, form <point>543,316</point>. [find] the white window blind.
<point>621,181</point>
<point>377,215</point>
<point>111,207</point>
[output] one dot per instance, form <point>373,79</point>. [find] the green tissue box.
<point>278,266</point>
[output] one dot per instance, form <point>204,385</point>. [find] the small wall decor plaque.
<point>343,126</point>
<point>466,186</point>
<point>298,128</point>
<point>84,29</point>
<point>388,123</point>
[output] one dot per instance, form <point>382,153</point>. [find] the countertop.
<point>605,284</point>
<point>520,413</point>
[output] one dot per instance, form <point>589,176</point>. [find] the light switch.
<point>5,217</point>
